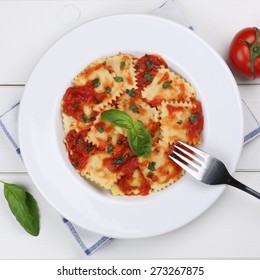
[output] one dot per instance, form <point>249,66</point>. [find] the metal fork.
<point>206,168</point>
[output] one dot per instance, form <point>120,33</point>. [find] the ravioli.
<point>148,92</point>
<point>167,86</point>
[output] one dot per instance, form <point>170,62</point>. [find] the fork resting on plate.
<point>206,168</point>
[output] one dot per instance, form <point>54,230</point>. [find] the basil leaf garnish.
<point>131,93</point>
<point>122,65</point>
<point>134,108</point>
<point>147,76</point>
<point>107,89</point>
<point>140,140</point>
<point>119,160</point>
<point>166,84</point>
<point>96,82</point>
<point>151,165</point>
<point>149,63</point>
<point>118,118</point>
<point>118,79</point>
<point>24,207</point>
<point>85,118</point>
<point>110,149</point>
<point>193,118</point>
<point>100,129</point>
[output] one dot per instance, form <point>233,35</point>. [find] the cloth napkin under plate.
<point>89,241</point>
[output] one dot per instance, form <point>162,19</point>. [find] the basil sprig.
<point>139,138</point>
<point>23,206</point>
<point>117,118</point>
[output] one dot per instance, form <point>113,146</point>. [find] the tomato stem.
<point>254,50</point>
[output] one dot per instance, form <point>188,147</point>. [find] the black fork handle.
<point>233,182</point>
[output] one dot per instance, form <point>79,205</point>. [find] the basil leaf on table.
<point>140,140</point>
<point>24,207</point>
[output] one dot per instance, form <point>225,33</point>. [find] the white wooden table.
<point>229,229</point>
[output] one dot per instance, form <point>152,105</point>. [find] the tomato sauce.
<point>119,159</point>
<point>153,127</point>
<point>147,67</point>
<point>156,101</point>
<point>79,148</point>
<point>76,98</point>
<point>171,109</point>
<point>125,162</point>
<point>126,187</point>
<point>196,125</point>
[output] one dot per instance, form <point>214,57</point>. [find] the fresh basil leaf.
<point>193,118</point>
<point>140,140</point>
<point>166,84</point>
<point>24,207</point>
<point>151,165</point>
<point>110,148</point>
<point>134,108</point>
<point>118,118</point>
<point>89,147</point>
<point>122,65</point>
<point>100,129</point>
<point>96,82</point>
<point>149,63</point>
<point>147,76</point>
<point>118,161</point>
<point>85,118</point>
<point>131,93</point>
<point>118,79</point>
<point>107,89</point>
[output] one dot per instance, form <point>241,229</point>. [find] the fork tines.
<point>188,157</point>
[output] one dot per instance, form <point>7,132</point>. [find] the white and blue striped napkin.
<point>89,241</point>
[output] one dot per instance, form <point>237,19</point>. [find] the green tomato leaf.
<point>24,207</point>
<point>118,118</point>
<point>140,140</point>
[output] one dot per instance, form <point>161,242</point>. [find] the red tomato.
<point>244,53</point>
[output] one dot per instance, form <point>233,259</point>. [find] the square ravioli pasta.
<point>149,103</point>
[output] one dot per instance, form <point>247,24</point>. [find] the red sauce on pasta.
<point>156,101</point>
<point>125,184</point>
<point>196,122</point>
<point>146,67</point>
<point>171,109</point>
<point>79,148</point>
<point>76,98</point>
<point>136,177</point>
<point>125,163</point>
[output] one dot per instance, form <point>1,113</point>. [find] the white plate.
<point>41,133</point>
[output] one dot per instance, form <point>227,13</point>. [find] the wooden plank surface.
<point>229,229</point>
